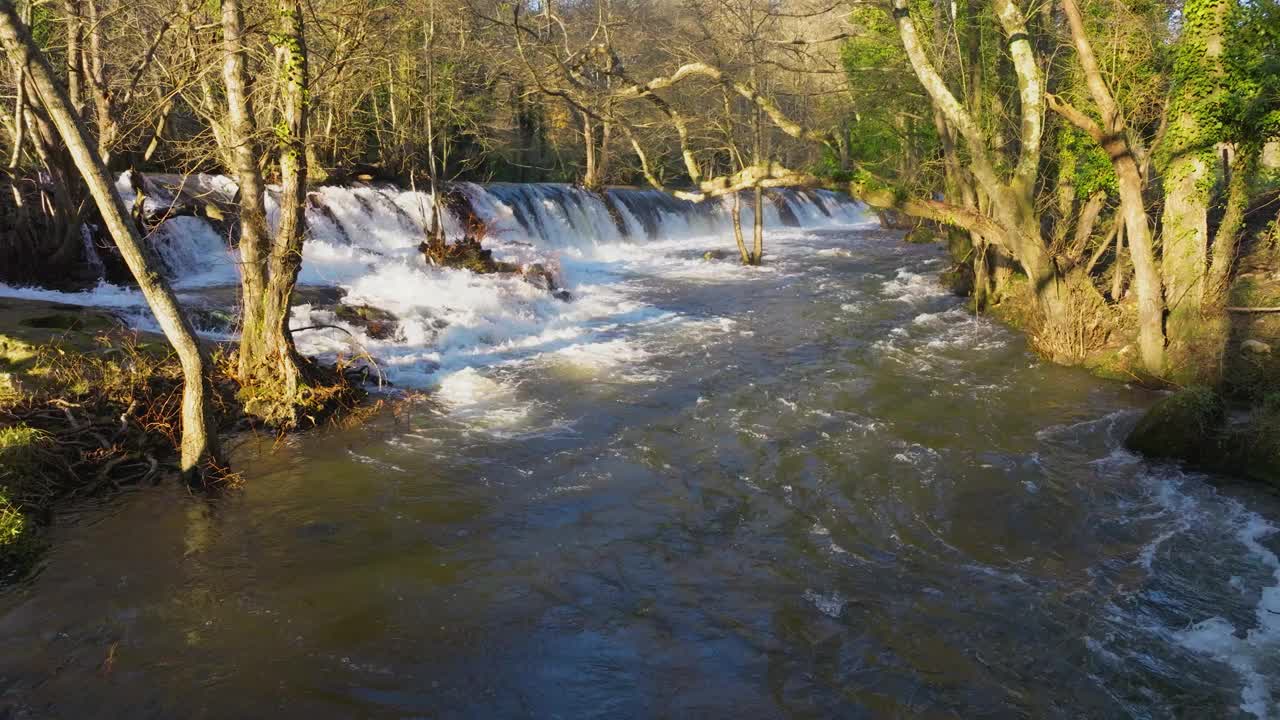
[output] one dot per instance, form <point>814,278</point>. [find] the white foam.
<point>830,604</point>
<point>482,401</point>
<point>912,287</point>
<point>103,295</point>
<point>1255,652</point>
<point>835,252</point>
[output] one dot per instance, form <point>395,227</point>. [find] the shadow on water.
<point>820,489</point>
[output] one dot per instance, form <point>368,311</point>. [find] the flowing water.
<point>814,489</point>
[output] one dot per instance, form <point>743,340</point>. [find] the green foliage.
<point>1226,77</point>
<point>19,460</point>
<point>1091,169</point>
<point>1252,107</point>
<point>46,29</point>
<point>883,126</point>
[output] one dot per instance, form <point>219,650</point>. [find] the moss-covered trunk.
<point>279,361</point>
<point>1187,167</point>
<point>269,366</point>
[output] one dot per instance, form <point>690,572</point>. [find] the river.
<point>815,489</point>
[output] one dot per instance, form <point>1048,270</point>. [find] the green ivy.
<point>1091,170</point>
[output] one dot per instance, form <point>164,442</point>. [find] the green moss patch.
<point>22,452</point>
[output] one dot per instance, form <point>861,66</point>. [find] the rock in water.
<point>1181,426</point>
<point>713,255</point>
<point>1256,347</point>
<point>539,276</point>
<point>466,254</point>
<point>377,323</point>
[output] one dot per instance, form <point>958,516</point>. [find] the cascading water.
<point>364,240</point>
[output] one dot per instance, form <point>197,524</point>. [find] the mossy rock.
<point>958,279</point>
<point>379,324</point>
<point>1181,427</point>
<point>920,235</point>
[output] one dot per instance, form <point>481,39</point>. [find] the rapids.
<point>818,488</point>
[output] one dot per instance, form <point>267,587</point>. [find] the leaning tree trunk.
<point>199,444</point>
<point>279,361</point>
<point>253,214</point>
<point>1226,241</point>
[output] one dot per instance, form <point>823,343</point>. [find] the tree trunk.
<point>1185,233</point>
<point>96,74</point>
<point>1117,268</point>
<point>1011,204</point>
<point>1085,224</point>
<point>737,229</point>
<point>71,8</point>
<point>199,444</point>
<point>1188,172</point>
<point>253,214</point>
<point>1146,277</point>
<point>1226,241</point>
<point>590,177</point>
<point>757,252</point>
<point>1113,138</point>
<point>602,155</point>
<point>281,364</point>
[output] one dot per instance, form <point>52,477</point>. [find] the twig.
<point>321,327</point>
<point>1253,309</point>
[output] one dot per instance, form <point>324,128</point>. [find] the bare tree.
<point>199,441</point>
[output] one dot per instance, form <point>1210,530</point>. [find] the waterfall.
<point>368,222</point>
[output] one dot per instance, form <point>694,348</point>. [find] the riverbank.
<point>89,406</point>
<point>1232,428</point>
